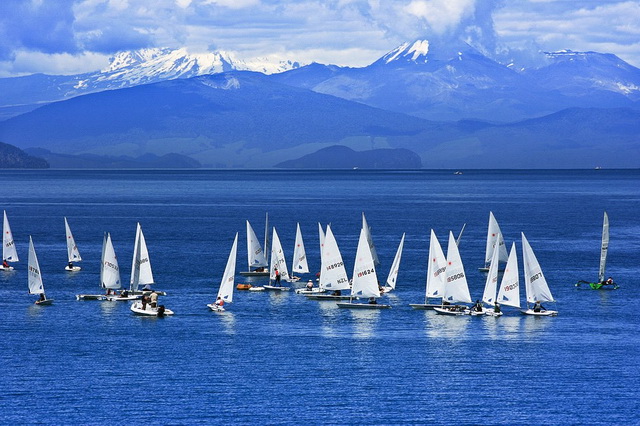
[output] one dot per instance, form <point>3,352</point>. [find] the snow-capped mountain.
<point>132,68</point>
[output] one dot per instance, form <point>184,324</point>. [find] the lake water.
<point>279,358</point>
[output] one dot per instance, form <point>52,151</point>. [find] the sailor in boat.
<point>219,302</point>
<point>42,298</point>
<point>124,293</point>
<point>5,264</point>
<point>70,265</point>
<point>537,307</point>
<point>310,285</point>
<point>336,293</point>
<point>153,299</point>
<point>609,281</point>
<point>496,308</point>
<point>477,307</point>
<point>277,274</point>
<point>373,301</point>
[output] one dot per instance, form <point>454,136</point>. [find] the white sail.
<point>9,252</point>
<point>72,249</point>
<point>256,258</point>
<point>104,245</point>
<point>110,270</point>
<point>604,247</point>
<point>226,285</point>
<point>35,278</point>
<point>494,239</point>
<point>491,285</point>
<point>456,288</point>
<point>333,275</point>
<point>436,268</point>
<point>395,266</point>
<point>365,279</point>
<point>535,283</point>
<point>277,259</point>
<point>509,293</point>
<point>141,273</point>
<point>300,265</point>
<point>372,247</point>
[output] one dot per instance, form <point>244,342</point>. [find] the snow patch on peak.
<point>416,52</point>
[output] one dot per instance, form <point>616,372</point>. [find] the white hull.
<point>215,308</point>
<point>136,308</point>
<point>386,289</point>
<point>314,290</point>
<point>257,289</point>
<point>546,313</point>
<point>492,313</point>
<point>73,269</point>
<point>274,288</point>
<point>2,268</point>
<point>445,311</point>
<point>113,298</point>
<point>363,306</point>
<point>90,297</point>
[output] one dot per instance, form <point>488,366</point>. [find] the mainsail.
<point>300,265</point>
<point>9,252</point>
<point>35,278</point>
<point>72,249</point>
<point>333,275</point>
<point>226,285</point>
<point>535,283</point>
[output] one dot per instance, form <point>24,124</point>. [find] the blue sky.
<point>72,36</point>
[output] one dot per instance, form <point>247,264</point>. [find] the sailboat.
<point>604,248</point>
<point>255,256</point>
<point>495,241</point>
<point>9,253</point>
<point>456,288</point>
<point>278,265</point>
<point>225,293</point>
<point>73,255</point>
<point>509,293</point>
<point>435,275</point>
<point>395,266</point>
<point>490,288</point>
<point>309,288</point>
<point>365,279</point>
<point>109,272</point>
<point>35,278</point>
<point>372,247</point>
<point>333,276</point>
<point>536,285</point>
<point>300,265</point>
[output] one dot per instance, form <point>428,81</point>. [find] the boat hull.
<point>90,297</point>
<point>73,269</point>
<point>136,308</point>
<point>425,306</point>
<point>10,268</point>
<point>44,302</point>
<point>325,297</point>
<point>362,306</point>
<point>276,288</point>
<point>215,308</point>
<point>315,290</point>
<point>444,311</point>
<point>546,313</point>
<point>254,274</point>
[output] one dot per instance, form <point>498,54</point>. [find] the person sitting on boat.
<point>609,281</point>
<point>477,307</point>
<point>310,285</point>
<point>145,300</point>
<point>219,302</point>
<point>124,293</point>
<point>537,307</point>
<point>42,297</point>
<point>336,293</point>
<point>5,264</point>
<point>496,308</point>
<point>153,299</point>
<point>70,265</point>
<point>277,275</point>
<point>373,301</point>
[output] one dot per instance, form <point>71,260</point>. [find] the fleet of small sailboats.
<point>446,278</point>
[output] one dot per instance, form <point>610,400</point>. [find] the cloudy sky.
<point>72,36</point>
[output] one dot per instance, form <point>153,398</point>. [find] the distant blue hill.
<point>341,157</point>
<point>245,119</point>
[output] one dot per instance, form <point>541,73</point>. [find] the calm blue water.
<point>279,358</point>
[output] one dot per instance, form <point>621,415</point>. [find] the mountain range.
<point>451,105</point>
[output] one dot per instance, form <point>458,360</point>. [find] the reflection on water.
<point>35,311</point>
<point>534,325</point>
<point>329,314</point>
<point>364,321</point>
<point>444,326</point>
<point>228,322</point>
<point>108,308</point>
<point>277,298</point>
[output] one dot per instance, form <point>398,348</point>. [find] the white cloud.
<point>441,15</point>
